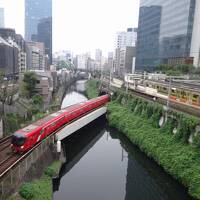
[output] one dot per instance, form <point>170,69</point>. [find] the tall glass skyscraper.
<point>35,10</point>
<point>164,31</point>
<point>38,17</point>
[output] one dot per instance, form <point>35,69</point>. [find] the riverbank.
<point>40,189</point>
<point>92,88</point>
<point>168,145</point>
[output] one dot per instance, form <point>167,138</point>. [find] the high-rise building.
<point>125,51</point>
<point>126,60</point>
<point>126,38</point>
<point>18,43</point>
<point>98,58</point>
<point>35,10</point>
<point>2,22</point>
<point>164,32</point>
<point>82,61</point>
<point>44,35</point>
<point>110,61</point>
<point>9,58</point>
<point>195,45</point>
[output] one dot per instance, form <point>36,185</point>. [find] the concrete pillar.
<point>59,146</point>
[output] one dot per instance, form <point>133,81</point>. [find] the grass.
<point>92,88</point>
<point>40,189</point>
<point>179,159</point>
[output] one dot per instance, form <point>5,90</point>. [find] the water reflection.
<point>73,97</point>
<point>103,165</point>
<point>80,86</point>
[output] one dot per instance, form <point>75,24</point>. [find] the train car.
<point>26,138</point>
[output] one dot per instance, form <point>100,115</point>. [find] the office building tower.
<point>126,38</point>
<point>44,35</point>
<point>164,32</point>
<point>98,59</point>
<point>35,10</point>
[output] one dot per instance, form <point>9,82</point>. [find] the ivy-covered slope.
<point>139,120</point>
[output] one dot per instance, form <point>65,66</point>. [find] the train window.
<point>18,139</point>
<point>195,97</point>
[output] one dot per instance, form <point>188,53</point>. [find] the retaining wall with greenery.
<point>40,189</point>
<point>168,144</point>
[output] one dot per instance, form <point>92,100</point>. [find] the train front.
<point>18,142</point>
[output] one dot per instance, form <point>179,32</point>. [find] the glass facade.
<point>164,31</point>
<point>35,10</point>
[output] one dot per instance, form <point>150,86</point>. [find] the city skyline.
<point>93,27</point>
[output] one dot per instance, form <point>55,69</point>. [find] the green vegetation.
<point>177,70</point>
<point>29,84</point>
<point>139,121</point>
<point>12,122</point>
<point>39,189</point>
<point>92,88</point>
<point>65,65</point>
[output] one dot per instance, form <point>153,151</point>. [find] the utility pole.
<point>169,94</point>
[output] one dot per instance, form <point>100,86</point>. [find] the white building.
<point>195,44</point>
<point>64,55</point>
<point>35,56</point>
<point>126,39</point>
<point>98,59</point>
<point>2,20</point>
<point>82,61</point>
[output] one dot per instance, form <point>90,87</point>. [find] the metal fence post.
<point>2,189</point>
<point>11,176</point>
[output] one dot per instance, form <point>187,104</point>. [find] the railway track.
<point>4,143</point>
<point>7,158</point>
<point>176,106</point>
<point>7,162</point>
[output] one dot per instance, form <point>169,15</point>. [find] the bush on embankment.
<point>139,121</point>
<point>92,88</point>
<point>40,189</point>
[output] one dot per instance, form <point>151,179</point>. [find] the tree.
<point>65,65</point>
<point>29,84</point>
<point>176,69</point>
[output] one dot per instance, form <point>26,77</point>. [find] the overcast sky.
<point>80,25</point>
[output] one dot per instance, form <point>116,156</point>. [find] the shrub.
<point>178,159</point>
<point>186,128</point>
<point>27,191</point>
<point>196,140</point>
<point>92,88</point>
<point>49,171</point>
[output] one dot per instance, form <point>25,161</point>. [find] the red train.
<point>24,139</point>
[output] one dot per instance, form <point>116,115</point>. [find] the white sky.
<point>80,25</point>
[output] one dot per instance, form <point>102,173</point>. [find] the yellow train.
<point>184,94</point>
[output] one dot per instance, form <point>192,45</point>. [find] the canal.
<point>101,164</point>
